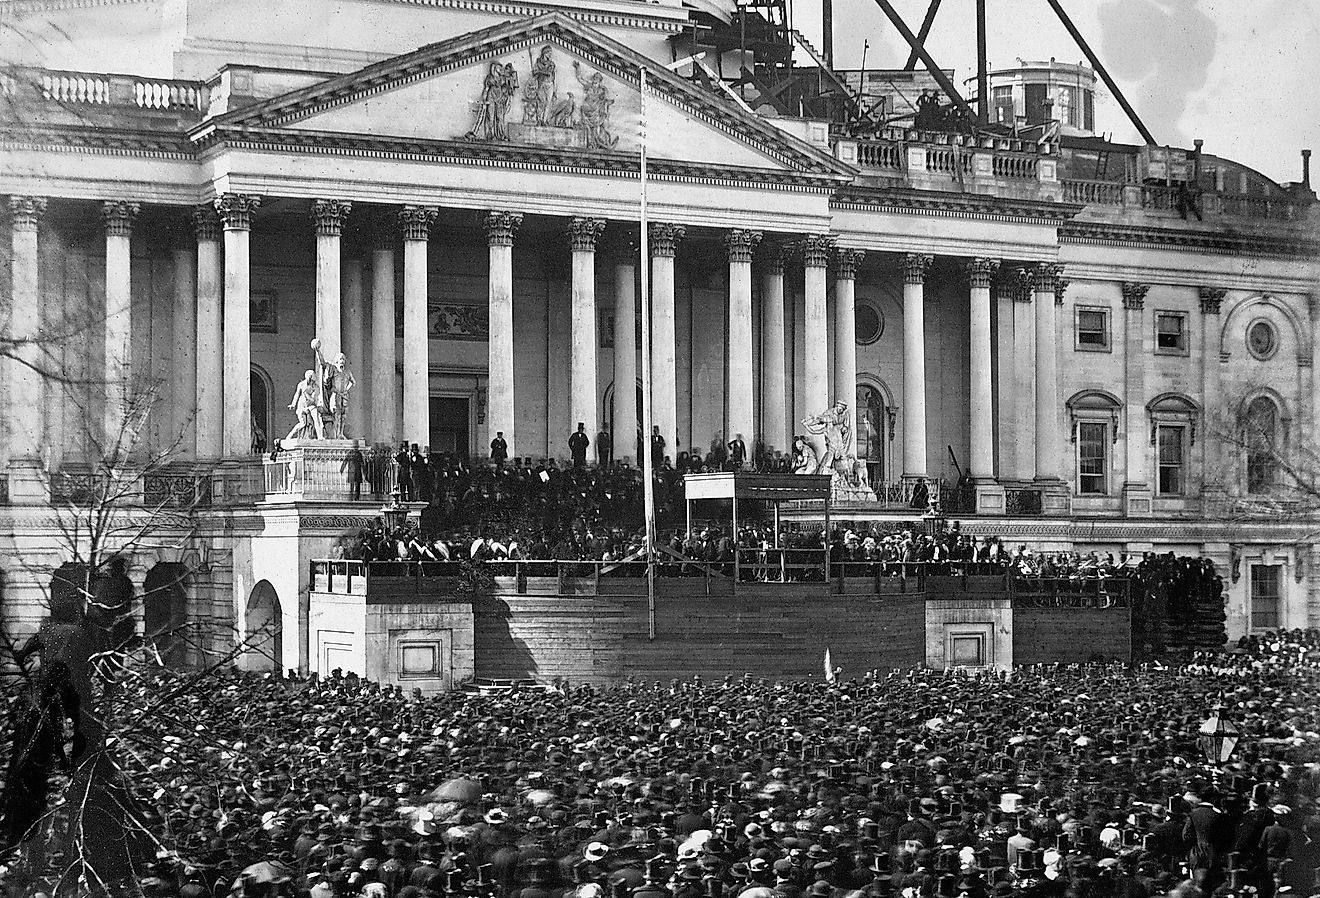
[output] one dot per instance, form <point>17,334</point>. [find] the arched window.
<point>1094,416</point>
<point>872,430</point>
<point>1261,443</point>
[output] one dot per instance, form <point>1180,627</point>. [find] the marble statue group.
<point>320,401</point>
<point>849,480</point>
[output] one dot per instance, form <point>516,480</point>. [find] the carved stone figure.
<point>497,92</point>
<point>306,404</point>
<point>539,98</point>
<point>563,113</point>
<point>847,482</point>
<point>595,110</point>
<point>336,382</point>
<point>804,456</point>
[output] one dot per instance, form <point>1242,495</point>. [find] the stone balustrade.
<point>1169,200</point>
<point>328,470</point>
<point>89,91</point>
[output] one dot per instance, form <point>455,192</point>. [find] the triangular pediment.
<point>549,84</point>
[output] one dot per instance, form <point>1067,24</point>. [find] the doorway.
<point>450,432</point>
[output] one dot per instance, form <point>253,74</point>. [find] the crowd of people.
<point>1080,781</point>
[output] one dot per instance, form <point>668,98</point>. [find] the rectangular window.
<point>1003,103</point>
<point>1266,596</point>
<point>1066,111</point>
<point>1171,332</point>
<point>1092,460</point>
<point>1092,329</point>
<point>1170,448</point>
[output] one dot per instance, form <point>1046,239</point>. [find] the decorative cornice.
<point>584,232</point>
<point>740,244</point>
<point>1212,299</point>
<point>952,205</point>
<point>118,216</point>
<point>774,255</point>
<point>846,262</point>
<point>980,272</point>
<point>236,210</point>
<point>1278,246</point>
<point>1134,296</point>
<point>330,216</point>
<point>664,238</point>
<point>97,138</point>
<point>816,249</point>
<point>1023,278</point>
<point>500,227</point>
<point>206,223</point>
<point>1060,288</point>
<point>416,221</point>
<point>25,212</point>
<point>915,266</point>
<point>1047,277</point>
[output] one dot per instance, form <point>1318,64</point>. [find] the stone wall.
<point>1070,635</point>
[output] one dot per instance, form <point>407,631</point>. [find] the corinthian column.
<point>1212,301</point>
<point>981,454</point>
<point>384,415</point>
<point>417,222</point>
<point>501,414</point>
<point>24,415</point>
<point>1024,375</point>
<point>1049,464</point>
<point>329,216</point>
<point>845,326</point>
<point>664,240</point>
<point>236,211</point>
<point>1137,479</point>
<point>774,414</point>
<point>118,217</point>
<point>209,420</point>
<point>183,337</point>
<point>583,394</point>
<point>816,251</point>
<point>915,266</point>
<point>741,416</point>
<point>625,354</point>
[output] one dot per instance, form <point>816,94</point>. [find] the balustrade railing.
<point>100,89</point>
<point>880,154</point>
<point>73,487</point>
<point>1069,592</point>
<point>183,490</point>
<point>1168,198</point>
<point>329,473</point>
<point>1093,193</point>
<point>1024,501</point>
<point>1010,165</point>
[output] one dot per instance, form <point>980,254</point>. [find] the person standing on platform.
<point>737,453</point>
<point>657,447</point>
<point>499,449</point>
<point>405,473</point>
<point>604,448</point>
<point>578,442</point>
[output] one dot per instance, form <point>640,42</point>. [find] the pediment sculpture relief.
<point>579,118</point>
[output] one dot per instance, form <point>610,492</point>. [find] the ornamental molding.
<point>236,210</point>
<point>846,262</point>
<point>500,227</point>
<point>336,522</point>
<point>915,267</point>
<point>1201,242</point>
<point>108,140</point>
<point>664,239</point>
<point>816,250</point>
<point>981,272</point>
<point>206,223</point>
<point>416,221</point>
<point>584,232</point>
<point>741,245</point>
<point>1134,295</point>
<point>775,254</point>
<point>952,205</point>
<point>1047,277</point>
<point>1060,288</point>
<point>329,216</point>
<point>1212,299</point>
<point>118,217</point>
<point>25,213</point>
<point>1020,285</point>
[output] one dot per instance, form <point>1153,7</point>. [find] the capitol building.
<point>1075,344</point>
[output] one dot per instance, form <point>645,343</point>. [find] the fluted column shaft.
<point>815,326</point>
<point>118,217</point>
<point>183,337</point>
<point>845,326</point>
<point>236,211</point>
<point>1049,462</point>
<point>501,414</point>
<point>774,357</point>
<point>915,266</point>
<point>583,393</point>
<point>417,222</point>
<point>354,349</point>
<point>1212,300</point>
<point>1135,358</point>
<point>210,352</point>
<point>25,412</point>
<point>664,240</point>
<point>1024,375</point>
<point>625,434</point>
<point>329,217</point>
<point>981,455</point>
<point>740,417</point>
<point>384,379</point>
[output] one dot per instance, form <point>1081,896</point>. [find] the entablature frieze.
<point>1278,245</point>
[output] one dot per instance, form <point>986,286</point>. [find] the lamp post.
<point>394,512</point>
<point>1218,736</point>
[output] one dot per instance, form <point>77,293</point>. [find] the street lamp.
<point>1218,736</point>
<point>394,512</point>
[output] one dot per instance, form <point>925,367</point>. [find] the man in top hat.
<point>578,442</point>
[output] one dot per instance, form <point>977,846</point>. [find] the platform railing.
<point>340,474</point>
<point>1070,592</point>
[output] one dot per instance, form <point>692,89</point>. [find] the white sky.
<point>1243,75</point>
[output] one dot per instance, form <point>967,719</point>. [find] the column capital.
<point>1060,288</point>
<point>846,261</point>
<point>981,271</point>
<point>118,216</point>
<point>664,238</point>
<point>25,212</point>
<point>236,210</point>
<point>584,232</point>
<point>500,227</point>
<point>1134,296</point>
<point>741,244</point>
<point>1047,276</point>
<point>816,249</point>
<point>775,256</point>
<point>1212,299</point>
<point>1021,285</point>
<point>915,266</point>
<point>416,221</point>
<point>206,223</point>
<point>329,216</point>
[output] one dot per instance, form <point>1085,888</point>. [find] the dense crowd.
<point>1067,782</point>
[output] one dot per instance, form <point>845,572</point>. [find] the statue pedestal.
<point>990,497</point>
<point>27,483</point>
<point>286,445</point>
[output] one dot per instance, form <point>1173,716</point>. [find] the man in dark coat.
<point>604,448</point>
<point>405,473</point>
<point>578,442</point>
<point>737,452</point>
<point>499,449</point>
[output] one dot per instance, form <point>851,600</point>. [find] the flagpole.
<point>648,483</point>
